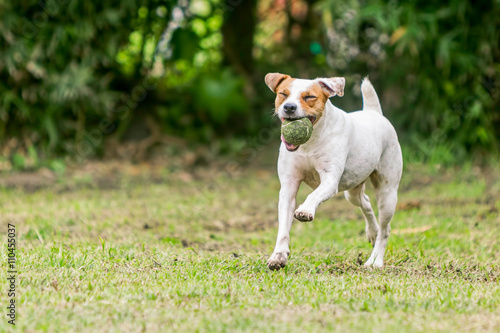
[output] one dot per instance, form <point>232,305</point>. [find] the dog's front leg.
<point>286,206</point>
<point>327,189</point>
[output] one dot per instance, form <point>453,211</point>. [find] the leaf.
<point>51,129</point>
<point>397,34</point>
<point>185,44</point>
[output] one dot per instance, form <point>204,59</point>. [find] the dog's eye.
<point>309,97</point>
<point>282,93</point>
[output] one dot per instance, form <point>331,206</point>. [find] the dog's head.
<point>297,98</point>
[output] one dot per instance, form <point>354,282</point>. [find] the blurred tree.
<point>237,35</point>
<point>303,33</point>
<point>59,70</point>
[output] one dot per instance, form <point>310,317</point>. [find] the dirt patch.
<point>28,181</point>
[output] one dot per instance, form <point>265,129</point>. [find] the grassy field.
<point>166,252</point>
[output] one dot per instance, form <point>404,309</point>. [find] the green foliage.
<point>59,71</point>
<point>438,63</point>
<point>67,66</point>
<point>221,95</point>
<point>185,44</point>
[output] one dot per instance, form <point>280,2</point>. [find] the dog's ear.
<point>332,86</point>
<point>273,80</point>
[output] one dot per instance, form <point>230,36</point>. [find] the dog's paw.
<point>277,261</point>
<point>303,214</point>
<point>373,265</point>
<point>374,261</point>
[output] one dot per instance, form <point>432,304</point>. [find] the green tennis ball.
<point>297,131</point>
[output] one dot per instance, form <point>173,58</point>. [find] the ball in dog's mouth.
<point>289,146</point>
<point>295,132</point>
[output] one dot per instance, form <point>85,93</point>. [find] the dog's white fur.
<point>344,151</point>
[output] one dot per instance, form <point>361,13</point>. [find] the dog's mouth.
<point>311,118</point>
<point>288,145</point>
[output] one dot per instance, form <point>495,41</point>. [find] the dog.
<point>344,151</point>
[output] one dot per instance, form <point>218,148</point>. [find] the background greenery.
<point>76,75</point>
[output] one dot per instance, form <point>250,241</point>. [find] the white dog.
<point>344,151</point>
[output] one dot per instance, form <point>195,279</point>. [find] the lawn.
<point>137,250</point>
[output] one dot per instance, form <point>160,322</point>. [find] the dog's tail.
<point>370,98</point>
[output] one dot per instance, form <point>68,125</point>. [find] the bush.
<point>59,71</point>
<point>69,66</point>
<point>437,63</point>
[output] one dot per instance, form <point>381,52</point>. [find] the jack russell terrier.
<point>344,151</point>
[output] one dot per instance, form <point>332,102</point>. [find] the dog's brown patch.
<point>313,106</point>
<point>283,91</point>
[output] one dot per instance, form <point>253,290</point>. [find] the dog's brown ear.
<point>332,86</point>
<point>273,80</point>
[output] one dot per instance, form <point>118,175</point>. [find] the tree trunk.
<point>237,35</point>
<point>303,29</point>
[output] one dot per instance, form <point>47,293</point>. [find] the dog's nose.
<point>290,108</point>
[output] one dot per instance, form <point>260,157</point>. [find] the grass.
<point>172,255</point>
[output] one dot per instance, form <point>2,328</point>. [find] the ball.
<point>296,131</point>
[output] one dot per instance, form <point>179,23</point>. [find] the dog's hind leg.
<point>358,198</point>
<point>386,183</point>
<point>386,200</point>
